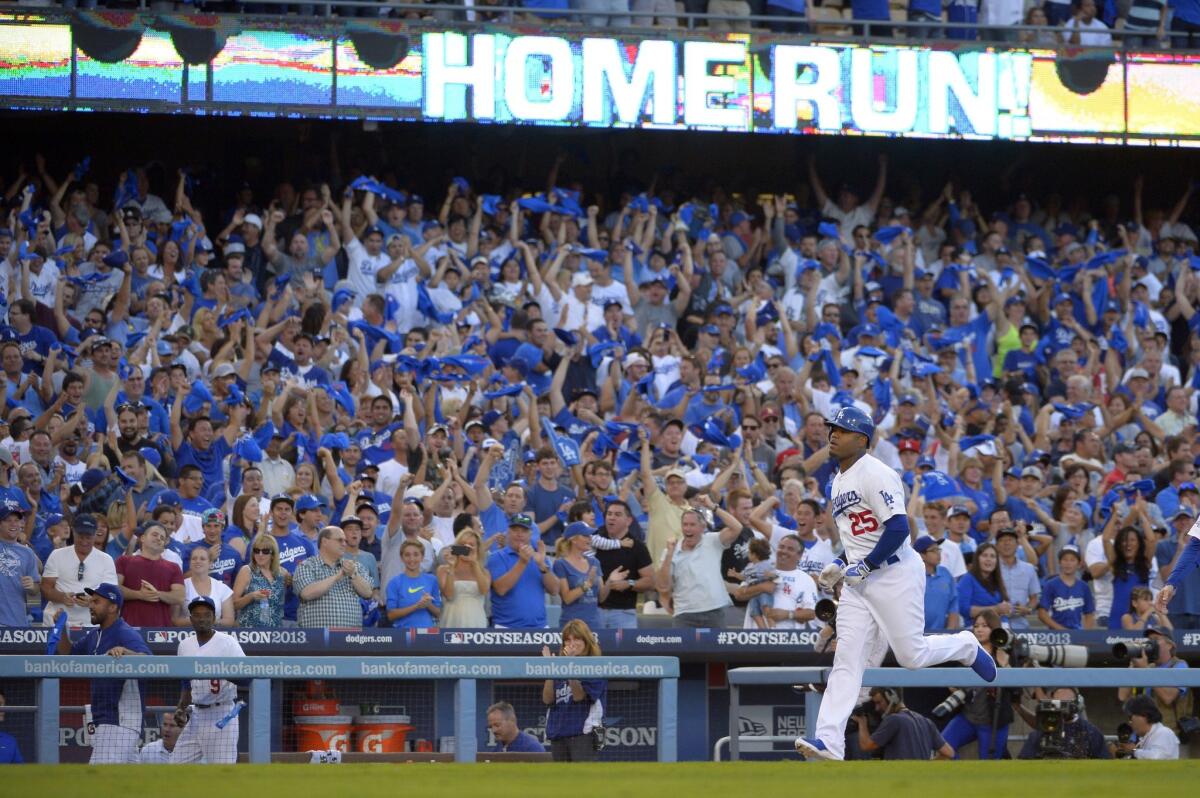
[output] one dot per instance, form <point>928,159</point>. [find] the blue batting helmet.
<point>852,419</point>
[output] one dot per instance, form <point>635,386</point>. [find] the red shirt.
<point>133,568</point>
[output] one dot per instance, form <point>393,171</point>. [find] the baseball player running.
<point>884,586</point>
<point>210,699</point>
<point>117,704</point>
<point>1187,560</point>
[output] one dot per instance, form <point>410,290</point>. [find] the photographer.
<point>986,712</point>
<point>901,733</point>
<point>1078,738</point>
<point>1154,739</point>
<point>1173,703</point>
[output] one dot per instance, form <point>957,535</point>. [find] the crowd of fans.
<point>1149,24</point>
<point>349,405</point>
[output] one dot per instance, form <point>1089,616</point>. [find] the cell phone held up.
<point>460,551</point>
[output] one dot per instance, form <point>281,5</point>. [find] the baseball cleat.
<point>812,748</point>
<point>984,665</point>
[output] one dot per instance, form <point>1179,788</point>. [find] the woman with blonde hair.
<point>258,590</point>
<point>199,582</point>
<point>574,720</point>
<point>464,582</point>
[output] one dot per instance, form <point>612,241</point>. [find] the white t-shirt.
<point>1102,588</point>
<point>63,566</point>
<point>43,285</point>
<point>696,584</point>
<point>1091,34</point>
<point>154,754</point>
<point>864,498</point>
<point>403,288</point>
<point>952,559</point>
<point>390,473</point>
<point>362,270</point>
<point>218,591</point>
<point>606,293</point>
<point>793,590</point>
<point>579,314</point>
<point>211,691</point>
<point>862,215</point>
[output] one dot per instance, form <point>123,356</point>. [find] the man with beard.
<point>117,704</point>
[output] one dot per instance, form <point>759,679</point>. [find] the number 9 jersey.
<point>862,499</point>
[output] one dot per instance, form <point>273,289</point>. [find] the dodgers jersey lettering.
<point>865,496</point>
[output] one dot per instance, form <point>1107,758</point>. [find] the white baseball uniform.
<point>890,601</point>
<point>212,699</point>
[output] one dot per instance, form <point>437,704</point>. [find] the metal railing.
<point>463,672</point>
<point>470,14</point>
<point>1077,678</point>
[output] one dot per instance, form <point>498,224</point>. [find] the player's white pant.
<point>201,740</point>
<point>892,601</point>
<point>114,745</point>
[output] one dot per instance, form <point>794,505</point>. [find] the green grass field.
<point>889,779</point>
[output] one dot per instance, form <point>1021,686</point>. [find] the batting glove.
<point>858,572</point>
<point>831,574</point>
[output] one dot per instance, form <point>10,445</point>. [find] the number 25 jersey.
<point>862,499</point>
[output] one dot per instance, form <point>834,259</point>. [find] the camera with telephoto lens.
<point>866,709</point>
<point>826,612</point>
<point>1052,717</point>
<point>1124,735</point>
<point>1137,649</point>
<point>1189,728</point>
<point>1021,651</point>
<point>953,703</point>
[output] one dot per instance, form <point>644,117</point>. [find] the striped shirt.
<point>1144,15</point>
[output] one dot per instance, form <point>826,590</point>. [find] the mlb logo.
<point>157,637</point>
<point>453,638</point>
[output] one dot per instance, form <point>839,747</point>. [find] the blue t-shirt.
<point>524,605</point>
<point>586,607</point>
<point>294,549</point>
<point>972,594</point>
<point>106,693</point>
<point>38,339</point>
<point>405,591</point>
<point>544,504</point>
<point>225,567</point>
<point>1122,588</point>
<point>16,561</point>
<point>1067,604</point>
<point>941,598</point>
<point>523,743</point>
<point>208,461</point>
<point>568,717</point>
<point>870,9</point>
<point>10,752</point>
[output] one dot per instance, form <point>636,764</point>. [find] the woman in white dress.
<point>200,583</point>
<point>464,583</point>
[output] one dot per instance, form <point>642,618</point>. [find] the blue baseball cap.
<point>12,501</point>
<point>151,455</point>
<point>521,520</point>
<point>308,502</point>
<point>109,592</point>
<point>202,601</point>
<point>868,329</point>
<point>738,217</point>
<point>578,529</point>
<point>710,329</point>
<point>924,544</point>
<point>168,498</point>
<point>926,462</point>
<point>1060,297</point>
<point>909,399</point>
<point>723,309</point>
<point>958,509</point>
